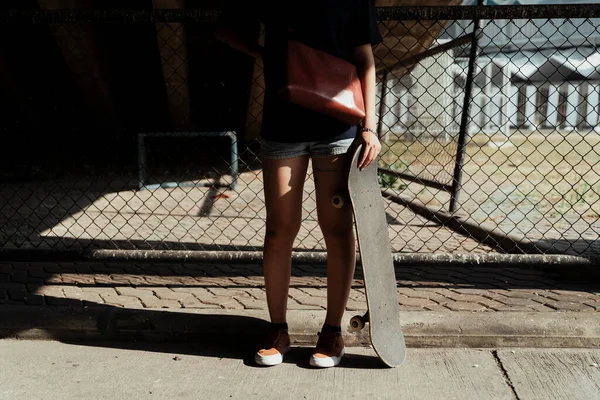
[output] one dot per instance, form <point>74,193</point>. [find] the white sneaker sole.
<point>269,361</point>
<point>326,362</point>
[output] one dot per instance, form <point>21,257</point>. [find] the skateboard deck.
<point>383,315</point>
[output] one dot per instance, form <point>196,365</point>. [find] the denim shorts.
<point>279,150</point>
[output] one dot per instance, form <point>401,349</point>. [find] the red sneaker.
<point>277,343</point>
<point>329,350</point>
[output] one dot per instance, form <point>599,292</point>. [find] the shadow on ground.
<point>214,335</point>
<point>217,333</point>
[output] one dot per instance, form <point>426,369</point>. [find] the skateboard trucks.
<point>358,322</point>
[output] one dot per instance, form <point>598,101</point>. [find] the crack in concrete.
<point>505,374</point>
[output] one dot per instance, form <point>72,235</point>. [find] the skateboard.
<point>383,315</point>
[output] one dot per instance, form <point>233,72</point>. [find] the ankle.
<point>281,326</point>
<point>331,329</point>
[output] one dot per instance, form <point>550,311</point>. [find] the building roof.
<point>550,65</point>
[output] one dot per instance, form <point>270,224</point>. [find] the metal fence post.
<point>462,135</point>
<point>382,104</point>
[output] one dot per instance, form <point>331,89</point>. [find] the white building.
<point>530,74</point>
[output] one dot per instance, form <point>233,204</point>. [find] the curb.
<point>421,328</point>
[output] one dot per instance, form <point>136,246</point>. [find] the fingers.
<point>369,154</point>
<point>367,157</point>
<point>363,157</point>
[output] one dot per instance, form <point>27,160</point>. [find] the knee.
<point>282,231</point>
<point>340,231</point>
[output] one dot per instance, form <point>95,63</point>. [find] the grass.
<point>390,181</point>
<point>529,151</point>
<point>542,178</point>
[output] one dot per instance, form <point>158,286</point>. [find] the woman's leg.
<point>331,174</point>
<point>283,188</point>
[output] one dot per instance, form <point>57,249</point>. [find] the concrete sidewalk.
<point>52,370</point>
<point>441,306</point>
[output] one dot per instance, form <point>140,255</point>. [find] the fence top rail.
<point>454,13</point>
<point>204,14</point>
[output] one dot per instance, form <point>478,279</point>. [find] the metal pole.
<point>382,105</point>
<point>142,165</point>
<point>462,136</point>
<point>234,159</point>
<point>232,257</point>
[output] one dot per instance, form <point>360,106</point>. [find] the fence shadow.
<point>582,247</point>
<point>209,335</point>
<point>34,275</point>
<point>180,331</point>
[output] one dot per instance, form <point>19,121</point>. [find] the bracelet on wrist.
<point>369,130</point>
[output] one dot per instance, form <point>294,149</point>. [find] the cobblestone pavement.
<point>176,286</point>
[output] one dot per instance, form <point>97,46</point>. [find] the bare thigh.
<point>283,188</point>
<point>331,175</point>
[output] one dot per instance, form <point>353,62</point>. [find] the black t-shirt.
<point>337,27</point>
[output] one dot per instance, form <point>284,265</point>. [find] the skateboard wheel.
<point>357,323</point>
<point>337,201</point>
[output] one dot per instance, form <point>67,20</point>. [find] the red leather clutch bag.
<point>323,83</point>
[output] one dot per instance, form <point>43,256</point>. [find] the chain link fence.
<point>138,130</point>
